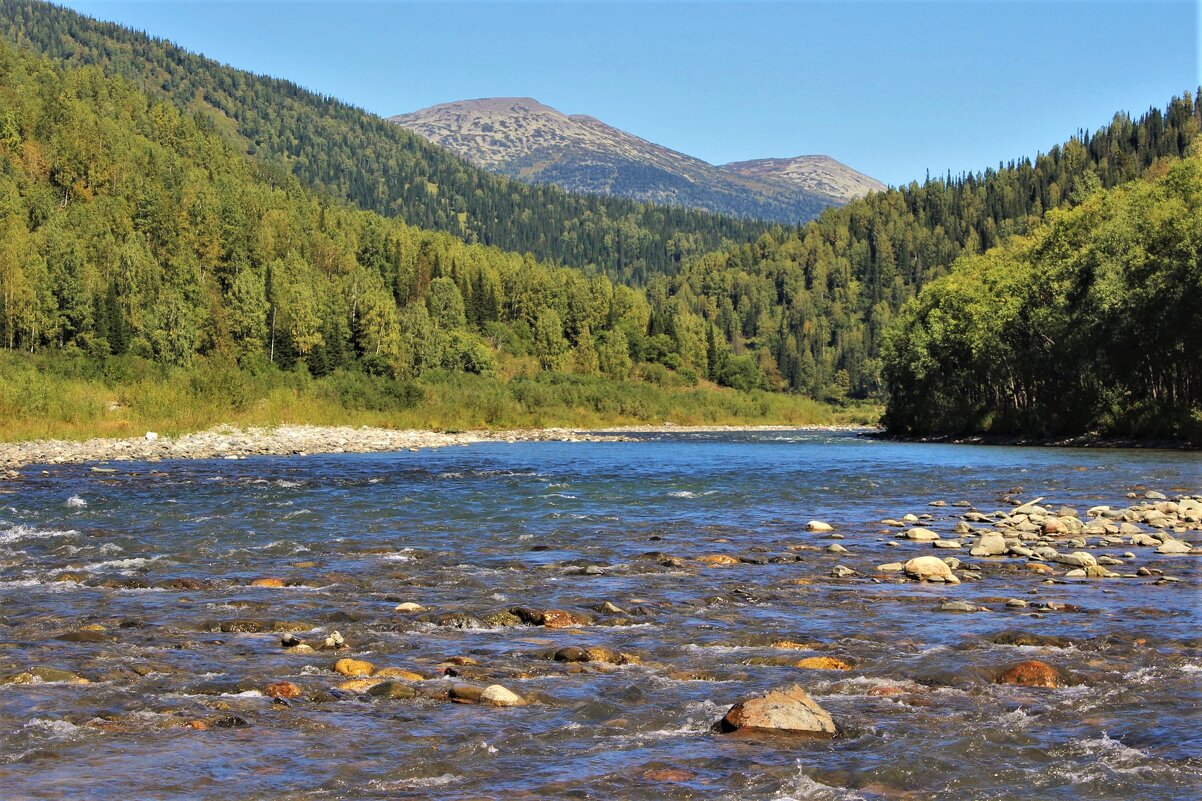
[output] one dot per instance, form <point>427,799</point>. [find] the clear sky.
<point>890,88</point>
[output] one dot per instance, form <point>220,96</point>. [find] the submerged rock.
<point>39,674</point>
<point>785,709</point>
<point>1032,673</point>
<point>822,663</point>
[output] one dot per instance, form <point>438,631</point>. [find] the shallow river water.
<point>139,581</point>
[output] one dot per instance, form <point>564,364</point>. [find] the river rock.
<point>353,667</point>
<point>819,526</point>
<point>1174,547</point>
<point>563,619</point>
<point>930,568</point>
<point>39,674</point>
<point>409,606</point>
<point>785,709</point>
<point>822,663</point>
<point>397,673</point>
<point>282,689</point>
<point>992,543</point>
<point>718,559</point>
<point>497,695</point>
<point>1076,559</point>
<point>1031,673</point>
<point>921,534</point>
<point>392,690</point>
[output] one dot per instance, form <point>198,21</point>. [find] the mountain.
<point>817,175</point>
<point>523,138</point>
<point>347,153</point>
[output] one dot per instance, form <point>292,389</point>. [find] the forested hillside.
<point>1091,324</point>
<point>807,309</point>
<point>382,167</point>
<point>129,227</point>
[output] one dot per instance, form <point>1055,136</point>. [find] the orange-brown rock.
<point>793,645</point>
<point>397,673</point>
<point>562,619</point>
<point>359,685</point>
<point>354,667</point>
<point>822,663</point>
<point>1031,673</point>
<point>267,582</point>
<point>282,689</point>
<point>718,559</point>
<point>668,775</point>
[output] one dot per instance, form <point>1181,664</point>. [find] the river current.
<point>139,580</point>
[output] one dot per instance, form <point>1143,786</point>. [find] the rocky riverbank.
<point>232,443</point>
<point>288,440</point>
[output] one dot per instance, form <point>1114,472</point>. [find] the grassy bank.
<point>61,398</point>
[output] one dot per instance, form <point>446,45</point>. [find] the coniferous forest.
<point>159,206</point>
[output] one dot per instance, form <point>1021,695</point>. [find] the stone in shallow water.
<point>282,689</point>
<point>921,534</point>
<point>818,525</point>
<point>822,663</point>
<point>392,689</point>
<point>785,709</point>
<point>1174,547</point>
<point>353,667</point>
<point>930,568</point>
<point>1031,673</point>
<point>497,695</point>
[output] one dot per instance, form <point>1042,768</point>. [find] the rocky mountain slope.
<point>522,138</point>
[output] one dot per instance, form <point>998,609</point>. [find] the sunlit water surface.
<point>491,526</point>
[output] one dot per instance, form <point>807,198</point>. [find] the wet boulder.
<point>496,695</point>
<point>1032,673</point>
<point>930,568</point>
<point>784,709</point>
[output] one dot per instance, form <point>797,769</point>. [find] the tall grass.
<point>57,397</point>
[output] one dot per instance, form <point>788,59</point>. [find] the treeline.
<point>808,309</point>
<point>1091,324</point>
<point>127,227</point>
<point>380,166</point>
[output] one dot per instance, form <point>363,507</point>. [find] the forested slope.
<point>808,308</point>
<point>1092,324</point>
<point>128,227</point>
<point>380,166</point>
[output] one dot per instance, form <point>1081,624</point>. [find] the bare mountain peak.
<point>526,139</point>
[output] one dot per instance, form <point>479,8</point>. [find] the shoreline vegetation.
<point>44,400</point>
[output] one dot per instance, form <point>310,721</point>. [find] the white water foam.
<point>76,502</point>
<point>21,533</point>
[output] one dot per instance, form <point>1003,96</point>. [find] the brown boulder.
<point>353,667</point>
<point>785,709</point>
<point>282,689</point>
<point>1031,673</point>
<point>822,663</point>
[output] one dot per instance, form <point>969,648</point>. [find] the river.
<point>139,580</point>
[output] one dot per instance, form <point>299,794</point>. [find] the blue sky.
<point>891,88</point>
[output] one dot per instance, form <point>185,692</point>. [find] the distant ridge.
<point>523,138</point>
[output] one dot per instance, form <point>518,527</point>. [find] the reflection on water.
<point>140,581</point>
